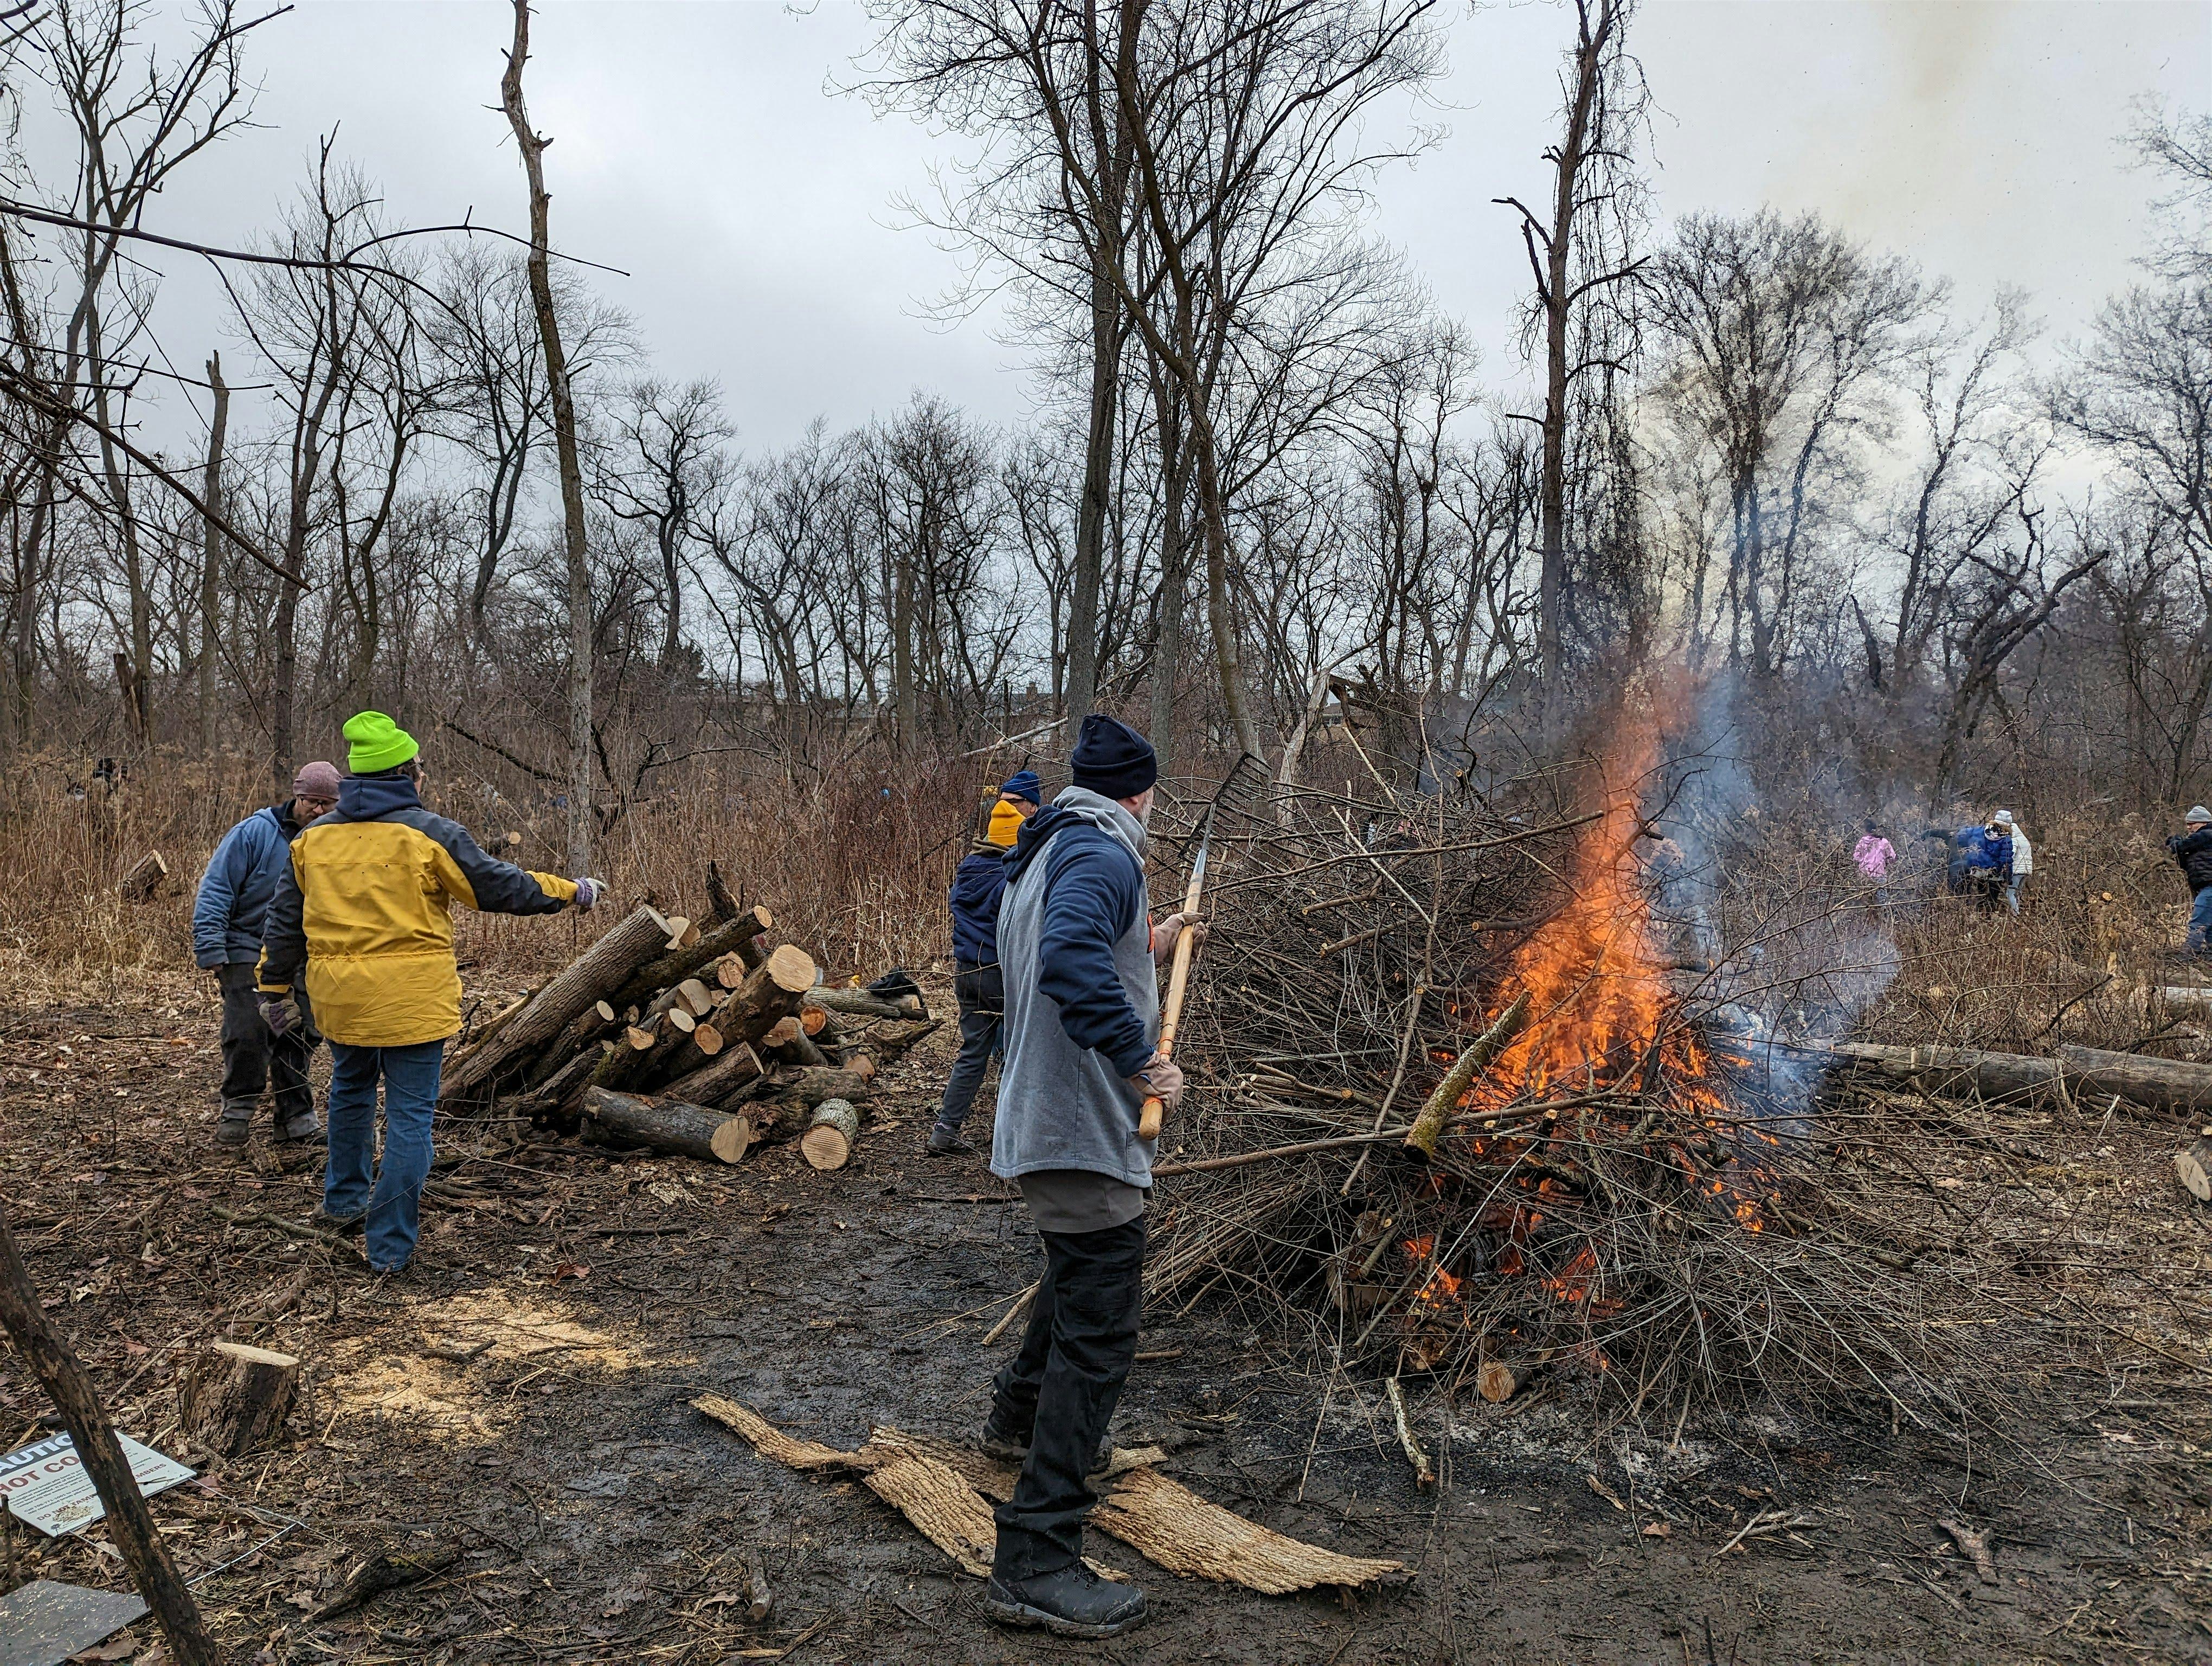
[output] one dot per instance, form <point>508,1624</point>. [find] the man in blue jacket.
<point>1080,962</point>
<point>977,884</point>
<point>229,917</point>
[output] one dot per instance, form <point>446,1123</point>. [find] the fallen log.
<point>2157,1083</point>
<point>607,964</point>
<point>675,964</point>
<point>666,1125</point>
<point>2192,1166</point>
<point>831,1135</point>
<point>2160,1083</point>
<point>866,1004</point>
<point>890,1049</point>
<point>790,1102</point>
<point>728,1073</point>
<point>594,1023</point>
<point>1951,1069</point>
<point>555,1099</point>
<point>235,1398</point>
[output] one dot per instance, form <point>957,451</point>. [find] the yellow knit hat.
<point>1005,823</point>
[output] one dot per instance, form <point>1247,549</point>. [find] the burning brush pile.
<point>1465,1096</point>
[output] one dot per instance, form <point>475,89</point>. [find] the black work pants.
<point>1061,1388</point>
<point>252,1057</point>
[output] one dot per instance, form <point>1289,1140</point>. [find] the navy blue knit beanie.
<point>1024,784</point>
<point>1112,759</point>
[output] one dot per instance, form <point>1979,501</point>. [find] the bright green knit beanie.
<point>378,744</point>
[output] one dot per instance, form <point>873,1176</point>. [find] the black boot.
<point>1069,1602</point>
<point>1008,1448</point>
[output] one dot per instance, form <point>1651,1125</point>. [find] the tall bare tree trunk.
<point>211,553</point>
<point>564,445</point>
<point>1166,653</point>
<point>1559,298</point>
<point>1092,509</point>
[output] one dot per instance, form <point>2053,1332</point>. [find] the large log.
<point>555,1099</point>
<point>667,1125</point>
<point>790,1101</point>
<point>2160,1083</point>
<point>866,1004</point>
<point>235,1398</point>
<point>675,965</point>
<point>831,1134</point>
<point>729,1073</point>
<point>771,992</point>
<point>595,1023</point>
<point>1951,1069</point>
<point>607,964</point>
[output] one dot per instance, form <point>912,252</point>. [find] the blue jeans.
<point>410,1094</point>
<point>2200,924</point>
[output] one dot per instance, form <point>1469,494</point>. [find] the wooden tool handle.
<point>1155,1112</point>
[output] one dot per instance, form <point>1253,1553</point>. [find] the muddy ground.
<point>525,1394</point>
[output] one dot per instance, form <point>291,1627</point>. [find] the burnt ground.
<point>599,1518</point>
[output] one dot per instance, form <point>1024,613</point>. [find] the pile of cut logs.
<point>696,1040</point>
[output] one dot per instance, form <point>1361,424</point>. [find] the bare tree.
<point>578,566</point>
<point>1581,252</point>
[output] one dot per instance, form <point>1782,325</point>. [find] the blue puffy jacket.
<point>977,884</point>
<point>1093,898</point>
<point>233,904</point>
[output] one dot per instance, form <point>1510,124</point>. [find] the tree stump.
<point>143,882</point>
<point>827,1142</point>
<point>235,1398</point>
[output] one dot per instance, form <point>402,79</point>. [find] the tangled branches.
<point>1631,1183</point>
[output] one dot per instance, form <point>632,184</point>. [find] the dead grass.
<point>854,864</point>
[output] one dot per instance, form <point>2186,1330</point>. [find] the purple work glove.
<point>588,892</point>
<point>281,1014</point>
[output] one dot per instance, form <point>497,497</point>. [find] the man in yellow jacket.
<point>365,911</point>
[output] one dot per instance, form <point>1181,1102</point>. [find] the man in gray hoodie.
<point>1079,957</point>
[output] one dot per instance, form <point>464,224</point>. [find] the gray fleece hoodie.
<point>1075,947</point>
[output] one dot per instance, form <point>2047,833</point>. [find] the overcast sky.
<point>700,147</point>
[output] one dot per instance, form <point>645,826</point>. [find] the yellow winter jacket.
<point>366,907</point>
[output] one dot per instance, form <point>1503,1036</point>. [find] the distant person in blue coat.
<point>1980,865</point>
<point>977,884</point>
<point>227,918</point>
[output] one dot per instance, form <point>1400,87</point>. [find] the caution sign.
<point>47,1487</point>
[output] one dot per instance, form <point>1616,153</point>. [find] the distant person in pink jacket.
<point>1874,854</point>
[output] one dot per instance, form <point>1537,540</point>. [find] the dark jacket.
<point>365,908</point>
<point>1094,893</point>
<point>977,884</point>
<point>1082,993</point>
<point>2193,851</point>
<point>240,883</point>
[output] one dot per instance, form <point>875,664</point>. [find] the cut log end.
<point>828,1143</point>
<point>791,968</point>
<point>2192,1166</point>
<point>730,1141</point>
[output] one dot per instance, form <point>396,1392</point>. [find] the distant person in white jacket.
<point>2023,856</point>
